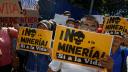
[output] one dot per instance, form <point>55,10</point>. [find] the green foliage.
<point>102,6</point>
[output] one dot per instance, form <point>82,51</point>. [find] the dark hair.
<point>38,24</point>
<point>70,19</point>
<point>90,17</point>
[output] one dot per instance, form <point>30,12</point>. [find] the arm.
<point>107,63</point>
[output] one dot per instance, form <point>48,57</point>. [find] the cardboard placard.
<point>80,47</point>
<point>116,26</point>
<point>34,40</point>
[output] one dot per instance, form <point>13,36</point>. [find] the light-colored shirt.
<point>68,67</point>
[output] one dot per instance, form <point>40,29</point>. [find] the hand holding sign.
<point>107,62</point>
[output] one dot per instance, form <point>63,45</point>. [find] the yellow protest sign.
<point>116,26</point>
<point>80,47</point>
<point>10,8</point>
<point>34,40</point>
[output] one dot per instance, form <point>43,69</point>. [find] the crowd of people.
<point>23,61</point>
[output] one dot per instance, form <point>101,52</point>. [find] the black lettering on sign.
<point>29,32</point>
<point>69,35</point>
<point>91,42</point>
<point>103,55</point>
<point>39,42</point>
<point>113,20</point>
<point>70,49</point>
<point>61,35</point>
<point>91,51</point>
<point>96,55</point>
<point>111,26</point>
<point>79,37</point>
<point>116,27</point>
<point>76,59</point>
<point>87,52</point>
<point>61,47</point>
<point>78,50</point>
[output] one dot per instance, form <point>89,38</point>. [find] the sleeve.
<point>13,32</point>
<point>0,52</point>
<point>55,65</point>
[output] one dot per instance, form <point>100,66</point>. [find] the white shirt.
<point>68,67</point>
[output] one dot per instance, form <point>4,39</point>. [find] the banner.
<point>115,26</point>
<point>18,20</point>
<point>34,40</point>
<point>10,8</point>
<point>80,47</point>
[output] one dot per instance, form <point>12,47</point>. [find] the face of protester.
<point>70,24</point>
<point>89,25</point>
<point>116,43</point>
<point>125,41</point>
<point>41,26</point>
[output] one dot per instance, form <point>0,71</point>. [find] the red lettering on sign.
<point>1,8</point>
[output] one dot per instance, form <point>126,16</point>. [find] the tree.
<point>103,6</point>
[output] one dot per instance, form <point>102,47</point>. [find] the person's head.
<point>89,23</point>
<point>77,24</point>
<point>70,22</point>
<point>125,42</point>
<point>67,13</point>
<point>116,43</point>
<point>53,25</point>
<point>44,24</point>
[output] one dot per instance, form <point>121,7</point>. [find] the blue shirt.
<point>37,63</point>
<point>117,57</point>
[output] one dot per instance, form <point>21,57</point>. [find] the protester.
<point>53,27</point>
<point>70,22</point>
<point>77,24</point>
<point>67,67</point>
<point>118,54</point>
<point>67,13</point>
<point>39,62</point>
<point>89,23</point>
<point>8,55</point>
